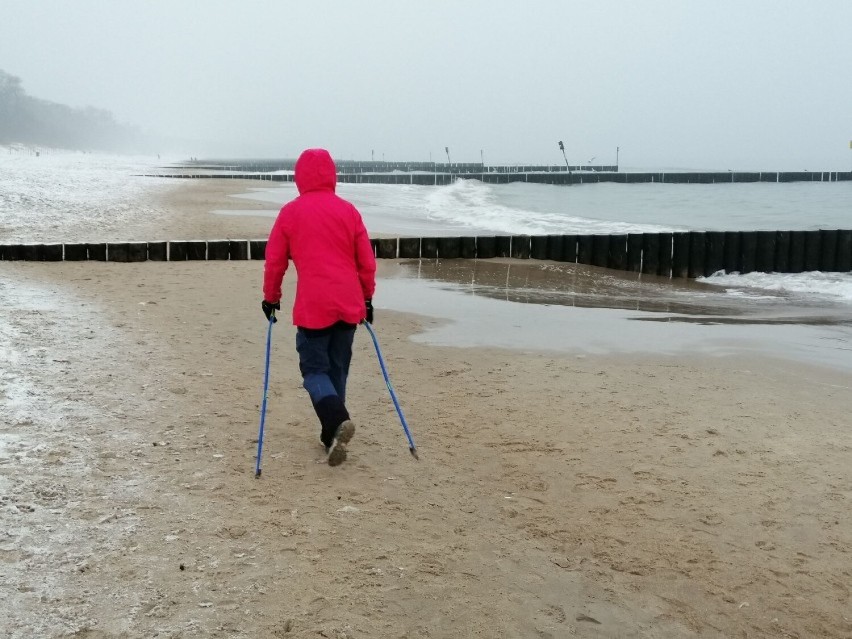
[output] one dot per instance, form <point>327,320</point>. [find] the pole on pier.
<point>562,148</point>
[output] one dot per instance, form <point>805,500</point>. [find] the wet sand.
<point>559,493</point>
<point>577,309</point>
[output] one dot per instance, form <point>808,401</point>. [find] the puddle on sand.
<point>576,309</point>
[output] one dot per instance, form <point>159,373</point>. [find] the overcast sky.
<point>727,84</point>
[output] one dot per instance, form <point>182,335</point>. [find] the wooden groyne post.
<point>681,254</point>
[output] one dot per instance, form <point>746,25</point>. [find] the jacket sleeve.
<point>277,259</point>
<point>365,260</point>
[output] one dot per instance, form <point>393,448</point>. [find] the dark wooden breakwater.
<point>678,254</point>
<point>429,173</point>
<point>377,166</point>
<point>548,177</point>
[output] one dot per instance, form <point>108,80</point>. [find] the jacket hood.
<point>315,171</point>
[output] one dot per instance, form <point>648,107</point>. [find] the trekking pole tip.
<point>257,475</point>
<point>413,452</point>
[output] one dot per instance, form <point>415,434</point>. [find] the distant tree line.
<point>28,120</point>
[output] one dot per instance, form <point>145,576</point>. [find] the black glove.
<point>369,305</point>
<point>269,309</point>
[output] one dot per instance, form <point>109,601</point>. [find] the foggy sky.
<point>676,84</point>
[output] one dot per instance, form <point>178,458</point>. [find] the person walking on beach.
<point>325,237</point>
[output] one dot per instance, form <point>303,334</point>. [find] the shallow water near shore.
<point>577,309</point>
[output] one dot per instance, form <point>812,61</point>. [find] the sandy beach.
<point>557,494</point>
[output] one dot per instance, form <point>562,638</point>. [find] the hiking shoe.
<point>337,450</point>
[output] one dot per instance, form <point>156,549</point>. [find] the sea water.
<point>471,207</point>
<point>76,194</point>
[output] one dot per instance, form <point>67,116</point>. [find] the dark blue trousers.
<point>324,358</point>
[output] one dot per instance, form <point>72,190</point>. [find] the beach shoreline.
<point>558,493</point>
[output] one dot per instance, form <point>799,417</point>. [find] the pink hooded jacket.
<point>325,237</point>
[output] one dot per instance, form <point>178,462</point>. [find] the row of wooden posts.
<point>379,166</point>
<point>671,254</point>
<point>589,177</point>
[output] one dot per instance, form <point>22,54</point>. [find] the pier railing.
<point>540,177</point>
<point>378,166</point>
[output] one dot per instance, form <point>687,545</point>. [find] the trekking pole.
<point>411,447</point>
<point>265,388</point>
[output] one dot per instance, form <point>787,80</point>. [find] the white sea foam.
<point>59,196</point>
<point>470,206</point>
<point>835,287</point>
<point>476,205</point>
